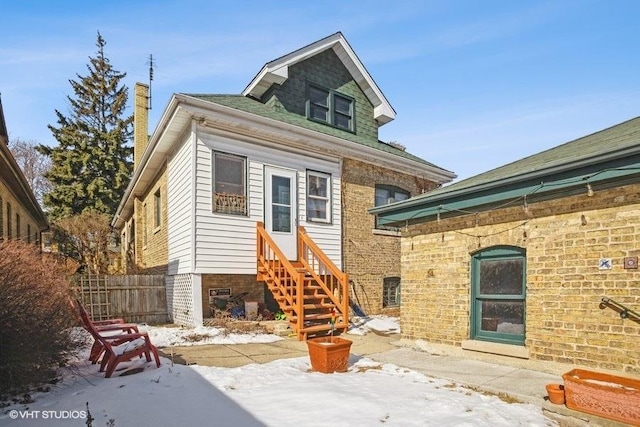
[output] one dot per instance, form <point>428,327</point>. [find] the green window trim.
<point>498,298</point>
<point>330,107</point>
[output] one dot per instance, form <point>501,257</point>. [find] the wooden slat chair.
<point>104,327</point>
<point>120,347</point>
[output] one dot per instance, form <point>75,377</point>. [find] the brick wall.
<point>152,254</point>
<point>238,283</point>
<point>564,240</point>
<point>370,257</point>
<point>27,223</point>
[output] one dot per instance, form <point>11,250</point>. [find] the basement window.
<point>390,292</point>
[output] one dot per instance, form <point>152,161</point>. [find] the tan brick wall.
<point>238,283</point>
<point>564,240</point>
<point>367,257</point>
<point>26,220</point>
<point>152,257</point>
<point>141,121</point>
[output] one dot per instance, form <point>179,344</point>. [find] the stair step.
<point>312,306</point>
<point>312,316</point>
<point>321,327</point>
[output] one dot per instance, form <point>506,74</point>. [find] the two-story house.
<point>268,192</point>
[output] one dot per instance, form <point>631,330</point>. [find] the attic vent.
<point>397,145</point>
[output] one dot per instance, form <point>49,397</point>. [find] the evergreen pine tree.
<point>91,167</point>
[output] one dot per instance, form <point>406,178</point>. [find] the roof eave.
<point>277,72</point>
<point>487,186</point>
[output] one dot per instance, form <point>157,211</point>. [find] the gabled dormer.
<point>325,83</point>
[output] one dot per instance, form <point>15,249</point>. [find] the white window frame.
<point>242,210</point>
<point>315,197</point>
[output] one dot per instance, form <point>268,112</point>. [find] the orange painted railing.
<point>326,274</point>
<point>274,265</point>
<point>286,280</point>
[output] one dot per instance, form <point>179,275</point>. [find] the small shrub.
<point>35,316</point>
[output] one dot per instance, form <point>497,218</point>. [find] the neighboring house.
<point>516,261</point>
<point>20,214</point>
<point>230,192</point>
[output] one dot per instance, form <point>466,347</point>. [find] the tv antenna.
<point>150,78</point>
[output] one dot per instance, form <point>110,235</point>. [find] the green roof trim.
<point>252,106</point>
<point>603,159</point>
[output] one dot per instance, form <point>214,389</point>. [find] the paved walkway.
<point>525,385</point>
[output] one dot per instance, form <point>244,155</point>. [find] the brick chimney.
<point>140,122</point>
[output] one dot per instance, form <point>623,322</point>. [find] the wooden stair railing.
<point>307,290</point>
<point>282,278</point>
<point>333,281</point>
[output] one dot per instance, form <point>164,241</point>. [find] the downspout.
<point>194,159</point>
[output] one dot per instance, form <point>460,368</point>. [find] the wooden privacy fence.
<point>136,298</point>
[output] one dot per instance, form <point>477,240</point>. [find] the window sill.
<point>387,232</point>
<point>319,221</point>
<point>496,348</point>
<point>155,230</point>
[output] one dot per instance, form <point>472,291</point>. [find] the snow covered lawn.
<point>280,393</point>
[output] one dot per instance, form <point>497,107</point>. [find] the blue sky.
<point>475,84</point>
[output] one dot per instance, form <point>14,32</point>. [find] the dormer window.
<point>328,106</point>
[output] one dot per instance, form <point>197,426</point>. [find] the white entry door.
<point>281,209</point>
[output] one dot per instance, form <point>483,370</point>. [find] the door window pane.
<point>281,204</point>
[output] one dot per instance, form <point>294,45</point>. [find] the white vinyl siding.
<point>180,207</point>
<point>225,244</point>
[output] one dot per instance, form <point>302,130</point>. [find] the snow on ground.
<point>281,393</point>
<point>177,336</point>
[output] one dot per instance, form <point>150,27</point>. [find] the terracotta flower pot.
<point>329,354</point>
<point>556,393</point>
<point>604,395</point>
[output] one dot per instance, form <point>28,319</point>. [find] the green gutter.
<point>541,175</point>
<point>477,199</point>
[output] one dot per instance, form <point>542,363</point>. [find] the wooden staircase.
<point>310,290</point>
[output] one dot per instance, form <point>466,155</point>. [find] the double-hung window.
<point>318,196</point>
<point>333,108</point>
<point>229,184</point>
<point>498,277</point>
<point>386,194</point>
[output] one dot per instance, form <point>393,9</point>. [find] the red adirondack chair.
<point>105,327</point>
<point>120,347</point>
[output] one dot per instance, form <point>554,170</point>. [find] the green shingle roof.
<point>588,148</point>
<point>252,106</point>
<point>606,158</point>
